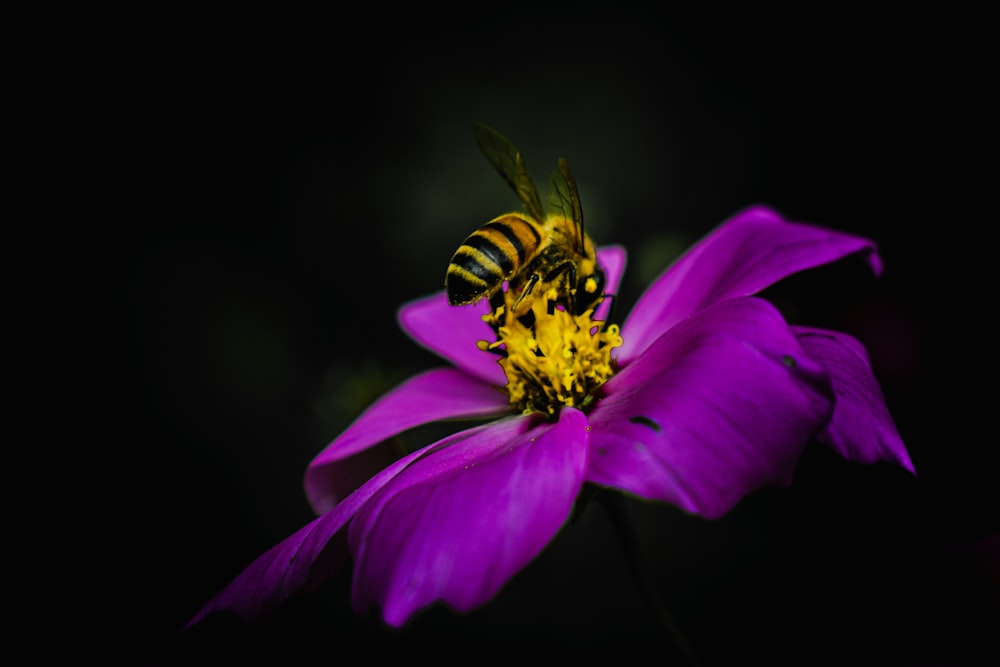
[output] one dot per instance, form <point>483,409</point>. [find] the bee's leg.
<point>566,272</point>
<point>527,320</point>
<point>571,288</point>
<point>496,304</point>
<point>529,285</point>
<point>611,308</point>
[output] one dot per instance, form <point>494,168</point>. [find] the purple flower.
<point>704,395</point>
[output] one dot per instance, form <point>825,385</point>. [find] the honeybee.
<point>531,250</point>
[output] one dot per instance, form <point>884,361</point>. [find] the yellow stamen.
<point>552,359</point>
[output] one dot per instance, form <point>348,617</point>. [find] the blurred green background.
<point>284,183</point>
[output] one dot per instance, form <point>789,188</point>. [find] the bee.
<point>531,250</point>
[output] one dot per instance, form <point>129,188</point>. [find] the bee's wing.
<point>508,161</point>
<point>564,199</point>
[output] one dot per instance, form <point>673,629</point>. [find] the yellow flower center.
<point>551,357</point>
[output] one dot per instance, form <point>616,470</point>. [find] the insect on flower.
<point>532,251</point>
<point>702,395</point>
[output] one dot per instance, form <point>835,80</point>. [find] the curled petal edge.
<point>861,429</point>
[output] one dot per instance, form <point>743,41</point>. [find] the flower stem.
<point>614,505</point>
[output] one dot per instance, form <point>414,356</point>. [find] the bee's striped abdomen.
<point>490,255</point>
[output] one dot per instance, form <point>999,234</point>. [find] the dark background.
<point>263,193</point>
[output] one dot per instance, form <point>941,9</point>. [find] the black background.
<point>261,193</point>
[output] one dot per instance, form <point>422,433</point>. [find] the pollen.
<point>551,357</point>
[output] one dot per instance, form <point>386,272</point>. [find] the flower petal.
<point>719,406</point>
<point>302,561</point>
<point>861,428</point>
<point>458,524</point>
<point>452,332</point>
<point>434,395</point>
<point>749,252</point>
<point>612,259</point>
